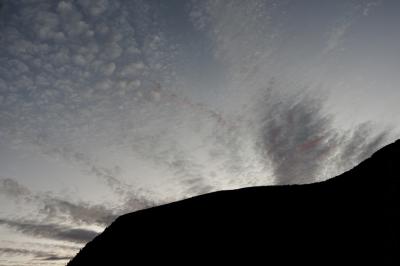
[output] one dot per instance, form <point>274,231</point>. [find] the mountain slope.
<point>353,218</point>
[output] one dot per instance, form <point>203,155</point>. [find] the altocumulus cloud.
<point>74,75</point>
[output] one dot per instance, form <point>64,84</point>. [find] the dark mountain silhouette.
<point>352,219</point>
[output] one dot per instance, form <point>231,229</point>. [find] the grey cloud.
<point>81,159</point>
<point>374,143</point>
<point>337,33</point>
<point>86,213</point>
<point>78,213</point>
<point>68,56</point>
<point>361,143</point>
<point>85,71</point>
<point>17,251</point>
<point>370,5</point>
<point>55,207</point>
<point>188,172</point>
<point>131,198</point>
<point>337,36</point>
<point>107,84</point>
<point>51,231</point>
<point>298,137</point>
<point>59,209</point>
<point>56,258</point>
<point>12,188</point>
<point>74,75</point>
<point>167,153</point>
<point>295,136</point>
<point>41,255</point>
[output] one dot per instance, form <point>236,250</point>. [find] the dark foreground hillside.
<point>352,219</point>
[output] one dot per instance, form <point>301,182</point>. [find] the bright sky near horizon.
<point>107,107</point>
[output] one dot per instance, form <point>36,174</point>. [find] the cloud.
<point>37,254</point>
<point>12,188</point>
<point>337,35</point>
<point>342,27</point>
<point>56,258</point>
<point>78,77</point>
<point>78,213</point>
<point>80,80</point>
<point>50,231</point>
<point>75,77</point>
<point>57,209</point>
<point>131,197</point>
<point>89,214</point>
<point>291,130</point>
<point>298,137</point>
<point>370,5</point>
<point>360,143</point>
<point>61,57</point>
<point>108,84</point>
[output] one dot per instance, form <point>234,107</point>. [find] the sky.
<point>107,107</point>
